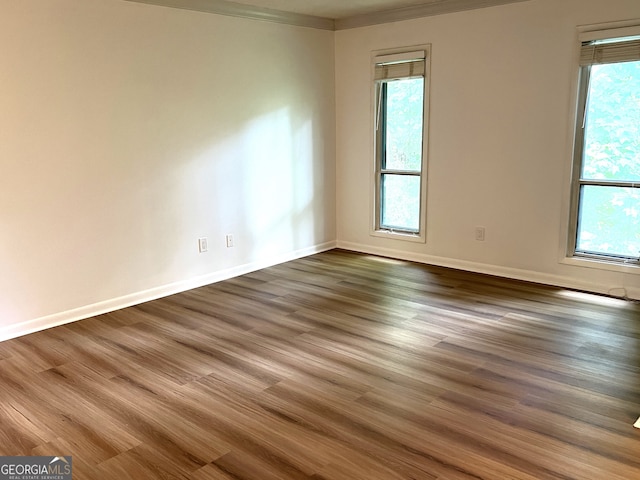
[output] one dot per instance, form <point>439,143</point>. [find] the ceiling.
<point>330,14</point>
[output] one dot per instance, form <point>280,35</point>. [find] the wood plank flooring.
<point>338,366</point>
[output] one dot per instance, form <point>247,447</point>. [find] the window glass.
<point>401,202</point>
<point>612,130</point>
<point>609,221</point>
<point>403,124</point>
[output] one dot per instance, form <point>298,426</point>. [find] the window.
<point>605,213</point>
<point>400,187</point>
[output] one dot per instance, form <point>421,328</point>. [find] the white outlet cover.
<point>202,245</point>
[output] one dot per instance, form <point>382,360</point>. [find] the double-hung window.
<point>605,211</point>
<point>400,107</point>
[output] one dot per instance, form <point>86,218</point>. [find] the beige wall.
<point>502,94</point>
<point>127,131</point>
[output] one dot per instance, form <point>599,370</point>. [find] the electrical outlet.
<point>480,234</point>
<point>229,240</point>
<point>203,245</point>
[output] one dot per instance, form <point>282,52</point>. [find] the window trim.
<point>584,73</point>
<point>377,171</point>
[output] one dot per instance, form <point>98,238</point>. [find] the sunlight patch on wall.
<point>278,158</point>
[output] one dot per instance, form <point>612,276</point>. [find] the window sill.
<point>407,237</point>
<point>601,264</point>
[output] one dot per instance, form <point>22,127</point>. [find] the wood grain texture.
<point>337,366</point>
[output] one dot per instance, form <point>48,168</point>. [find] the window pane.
<point>609,221</point>
<point>401,202</point>
<point>403,127</point>
<point>612,130</point>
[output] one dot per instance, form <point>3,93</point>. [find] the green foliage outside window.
<point>609,218</point>
<point>403,152</point>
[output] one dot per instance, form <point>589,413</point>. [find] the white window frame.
<point>376,230</point>
<point>572,257</point>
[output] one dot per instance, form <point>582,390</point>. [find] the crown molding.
<point>233,9</point>
<point>438,7</point>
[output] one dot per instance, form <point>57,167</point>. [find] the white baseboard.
<point>499,271</point>
<point>87,311</point>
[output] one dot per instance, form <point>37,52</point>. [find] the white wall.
<point>502,99</point>
<point>127,131</point>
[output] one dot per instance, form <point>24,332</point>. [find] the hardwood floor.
<point>337,366</point>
